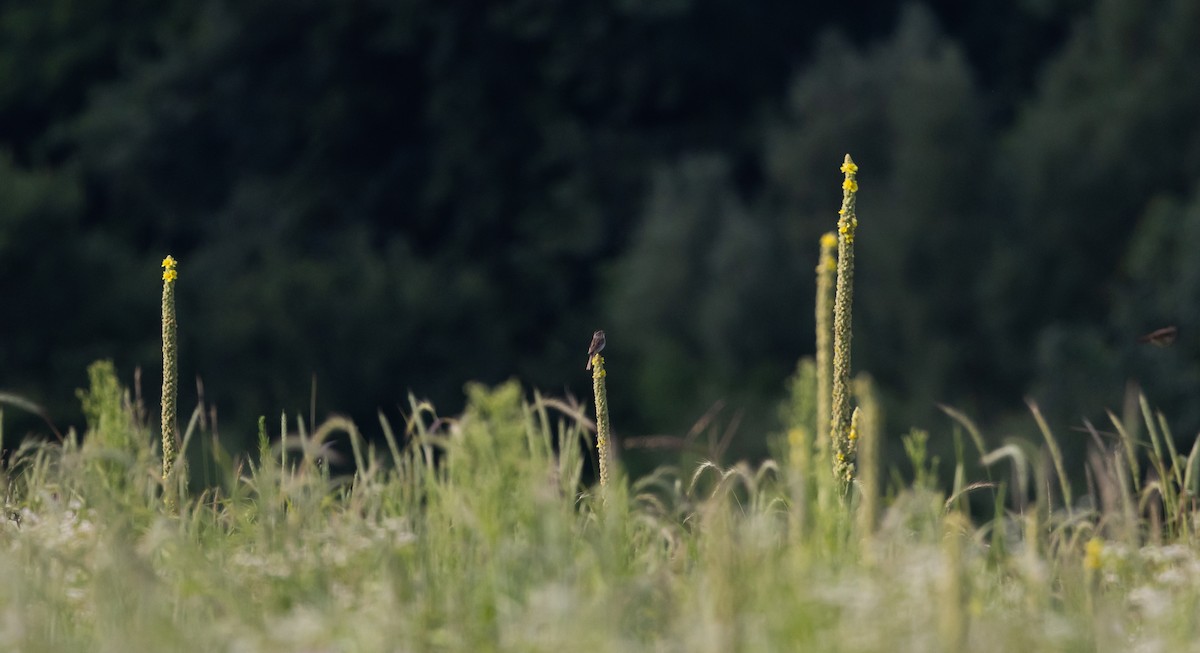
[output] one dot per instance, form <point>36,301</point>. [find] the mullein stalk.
<point>868,442</point>
<point>603,429</point>
<point>170,426</point>
<point>798,415</point>
<point>843,453</point>
<point>954,593</point>
<point>826,267</point>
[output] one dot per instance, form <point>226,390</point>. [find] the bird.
<point>595,347</point>
<point>1163,337</point>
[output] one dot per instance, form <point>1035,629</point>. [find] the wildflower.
<point>826,267</point>
<point>975,606</point>
<point>1092,553</point>
<point>796,437</point>
<point>840,415</point>
<point>170,342</point>
<point>827,262</point>
<point>603,429</point>
<point>169,273</point>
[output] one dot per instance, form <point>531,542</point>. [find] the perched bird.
<point>1163,337</point>
<point>596,346</point>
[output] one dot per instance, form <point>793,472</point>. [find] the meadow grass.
<point>478,533</point>
<point>482,532</point>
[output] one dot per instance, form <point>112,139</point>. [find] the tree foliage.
<point>409,195</point>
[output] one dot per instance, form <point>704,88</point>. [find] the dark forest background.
<point>406,195</point>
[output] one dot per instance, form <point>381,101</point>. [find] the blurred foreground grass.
<point>477,533</point>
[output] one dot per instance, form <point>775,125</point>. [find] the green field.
<point>481,532</point>
<point>497,545</point>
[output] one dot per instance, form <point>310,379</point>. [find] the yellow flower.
<point>850,185</point>
<point>975,606</point>
<point>1092,553</point>
<point>829,241</point>
<point>170,275</point>
<point>795,437</point>
<point>169,262</point>
<point>849,168</point>
<point>846,229</point>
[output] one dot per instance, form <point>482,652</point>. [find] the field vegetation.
<point>488,530</point>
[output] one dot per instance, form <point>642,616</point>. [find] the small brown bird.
<point>1163,337</point>
<point>596,346</point>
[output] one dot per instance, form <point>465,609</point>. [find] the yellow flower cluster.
<point>847,227</point>
<point>828,246</point>
<point>169,273</point>
<point>851,170</point>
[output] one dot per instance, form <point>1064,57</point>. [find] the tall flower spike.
<point>826,267</point>
<point>866,423</point>
<point>603,429</point>
<point>843,447</point>
<point>170,427</point>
